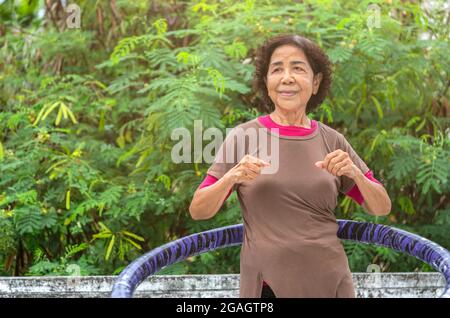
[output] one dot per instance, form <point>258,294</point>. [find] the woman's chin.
<point>288,105</point>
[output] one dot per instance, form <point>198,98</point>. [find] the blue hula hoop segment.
<point>195,244</point>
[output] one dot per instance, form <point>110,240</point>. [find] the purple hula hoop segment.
<point>195,244</point>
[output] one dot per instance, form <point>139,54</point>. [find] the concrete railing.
<point>367,285</point>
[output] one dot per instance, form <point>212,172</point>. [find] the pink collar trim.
<point>267,122</point>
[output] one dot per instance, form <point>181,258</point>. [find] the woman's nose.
<point>287,77</point>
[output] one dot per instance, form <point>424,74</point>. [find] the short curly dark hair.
<point>319,61</point>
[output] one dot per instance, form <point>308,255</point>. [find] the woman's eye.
<point>276,70</point>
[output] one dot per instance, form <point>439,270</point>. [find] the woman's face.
<point>290,79</point>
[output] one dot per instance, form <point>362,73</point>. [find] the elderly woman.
<point>290,246</point>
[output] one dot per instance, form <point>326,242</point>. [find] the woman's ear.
<point>316,82</point>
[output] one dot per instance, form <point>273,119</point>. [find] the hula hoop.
<point>195,244</point>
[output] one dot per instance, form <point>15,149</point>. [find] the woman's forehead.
<point>287,52</point>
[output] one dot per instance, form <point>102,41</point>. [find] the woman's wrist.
<point>228,180</point>
<point>359,176</point>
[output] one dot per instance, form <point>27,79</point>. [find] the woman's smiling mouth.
<point>287,93</point>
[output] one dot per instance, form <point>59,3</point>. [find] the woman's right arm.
<point>207,201</point>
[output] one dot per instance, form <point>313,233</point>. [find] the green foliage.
<point>126,240</point>
<point>86,116</point>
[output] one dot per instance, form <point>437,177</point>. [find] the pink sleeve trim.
<point>354,192</point>
<point>209,180</point>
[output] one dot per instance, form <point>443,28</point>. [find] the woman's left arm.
<point>376,199</point>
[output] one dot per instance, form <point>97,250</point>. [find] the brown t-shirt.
<point>290,229</point>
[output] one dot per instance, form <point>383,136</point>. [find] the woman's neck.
<point>291,118</point>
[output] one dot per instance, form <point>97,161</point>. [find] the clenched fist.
<point>338,163</point>
<point>247,169</point>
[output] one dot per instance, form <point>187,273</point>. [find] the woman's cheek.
<point>306,88</point>
<point>305,94</point>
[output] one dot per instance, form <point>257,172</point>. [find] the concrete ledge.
<point>367,285</point>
